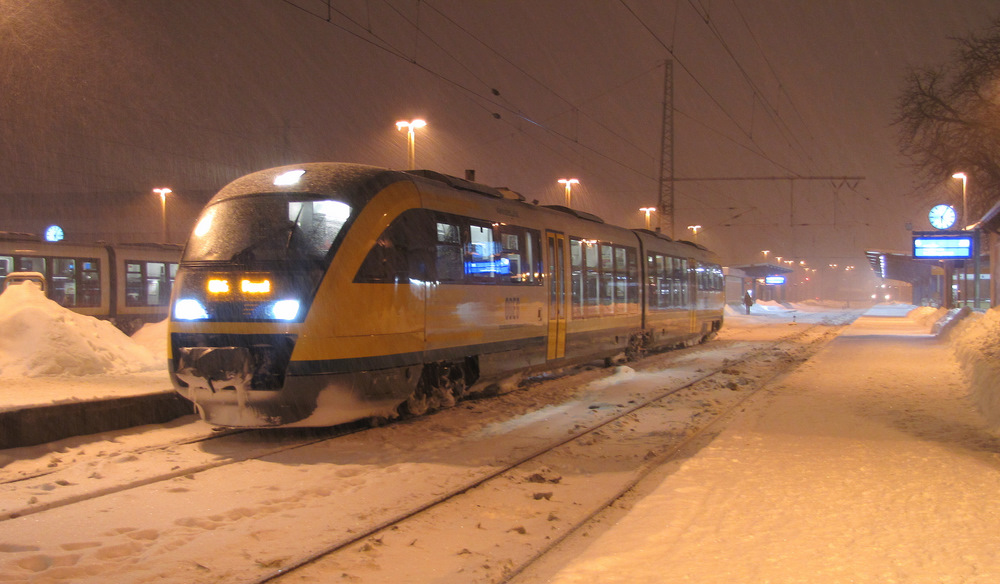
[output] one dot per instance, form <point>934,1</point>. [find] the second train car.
<point>322,293</point>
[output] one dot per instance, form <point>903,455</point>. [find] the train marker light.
<point>218,286</point>
<point>288,178</point>
<point>251,287</point>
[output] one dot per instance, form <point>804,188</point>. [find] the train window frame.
<point>402,252</point>
<point>524,259</point>
<point>143,284</point>
<point>604,283</point>
<point>426,245</point>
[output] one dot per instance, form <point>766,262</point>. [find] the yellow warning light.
<point>218,286</point>
<point>251,287</point>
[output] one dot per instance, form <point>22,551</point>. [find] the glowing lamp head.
<point>288,178</point>
<point>404,125</point>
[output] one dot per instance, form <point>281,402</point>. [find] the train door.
<point>555,243</point>
<point>695,297</point>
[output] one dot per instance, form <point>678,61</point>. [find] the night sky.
<point>104,100</point>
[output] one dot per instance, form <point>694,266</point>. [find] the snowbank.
<point>926,315</point>
<point>40,338</point>
<point>153,336</point>
<point>976,341</point>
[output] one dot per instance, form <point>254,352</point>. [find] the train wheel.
<point>441,386</point>
<point>636,348</point>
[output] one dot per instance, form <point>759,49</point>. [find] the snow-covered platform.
<point>63,374</point>
<point>39,410</point>
<point>869,463</point>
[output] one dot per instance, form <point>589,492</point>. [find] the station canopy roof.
<point>763,270</point>
<point>902,267</point>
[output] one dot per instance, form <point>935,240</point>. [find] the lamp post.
<point>965,210</point>
<point>695,229</point>
<point>569,182</point>
<point>163,192</point>
<point>411,148</point>
<point>647,211</point>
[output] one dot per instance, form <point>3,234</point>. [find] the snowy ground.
<point>867,464</point>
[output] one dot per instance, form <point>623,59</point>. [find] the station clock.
<point>942,216</point>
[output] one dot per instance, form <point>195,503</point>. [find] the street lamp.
<point>647,211</point>
<point>411,148</point>
<point>569,182</point>
<point>163,192</point>
<point>765,252</point>
<point>965,180</point>
<point>694,229</point>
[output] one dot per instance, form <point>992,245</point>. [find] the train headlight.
<point>285,309</point>
<point>189,309</point>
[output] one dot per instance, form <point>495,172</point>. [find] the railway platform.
<point>867,463</point>
<point>39,410</point>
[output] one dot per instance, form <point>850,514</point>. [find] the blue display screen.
<point>946,247</point>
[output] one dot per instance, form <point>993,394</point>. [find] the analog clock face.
<point>942,216</point>
<point>54,233</point>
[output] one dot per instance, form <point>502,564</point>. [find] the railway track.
<point>537,479</point>
<point>83,481</point>
<point>551,485</point>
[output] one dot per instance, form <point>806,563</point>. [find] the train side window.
<point>481,258</point>
<point>519,249</point>
<point>621,283</point>
<point>6,267</point>
<point>31,264</point>
<point>607,279</point>
<point>402,252</point>
<point>449,251</point>
<point>576,282</point>
<point>632,261</point>
<point>651,301</point>
<point>157,289</point>
<point>683,281</point>
<point>89,288</point>
<point>63,290</point>
<point>591,304</point>
<point>135,294</point>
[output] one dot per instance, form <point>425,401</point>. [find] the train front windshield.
<point>267,228</point>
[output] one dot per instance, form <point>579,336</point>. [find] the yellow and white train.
<point>322,293</point>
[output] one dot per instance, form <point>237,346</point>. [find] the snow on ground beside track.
<point>866,464</point>
<point>41,338</point>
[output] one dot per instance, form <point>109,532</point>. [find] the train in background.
<point>128,284</point>
<point>323,293</point>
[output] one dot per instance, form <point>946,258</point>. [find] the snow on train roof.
<point>41,338</point>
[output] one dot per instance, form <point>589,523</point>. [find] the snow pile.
<point>926,315</point>
<point>40,338</point>
<point>976,341</point>
<point>153,336</point>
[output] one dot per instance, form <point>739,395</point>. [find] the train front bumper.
<point>249,381</point>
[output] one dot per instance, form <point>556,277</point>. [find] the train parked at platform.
<point>128,284</point>
<point>322,293</point>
